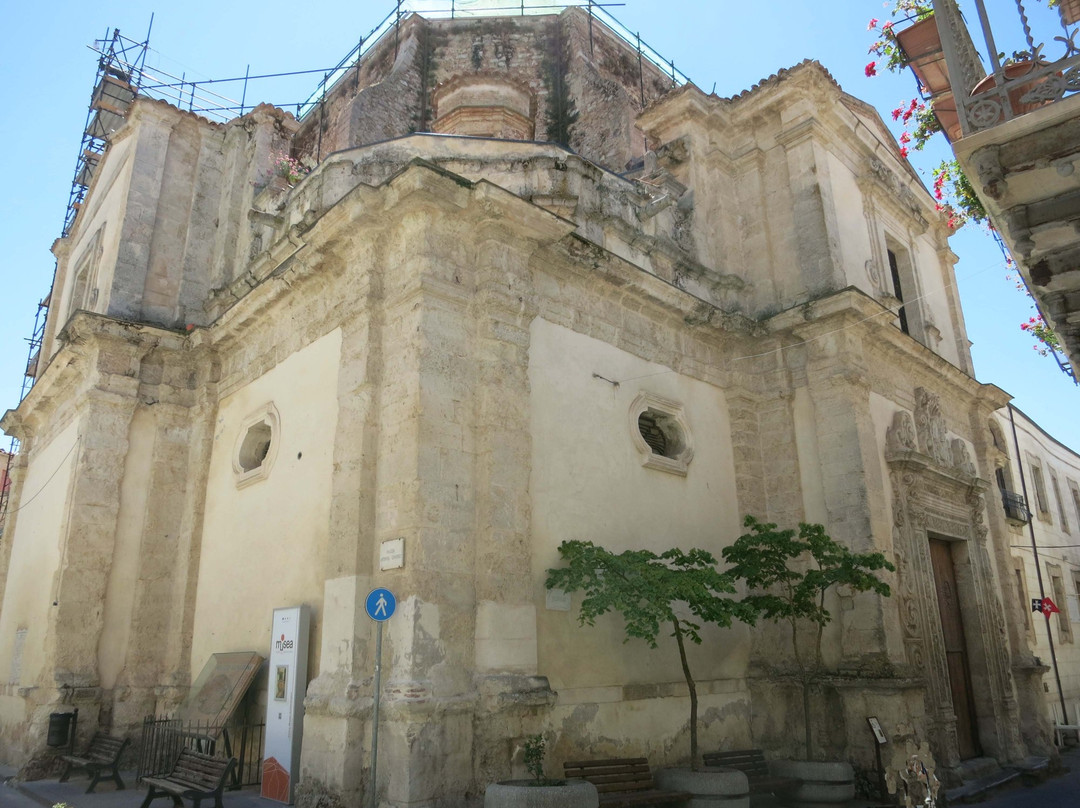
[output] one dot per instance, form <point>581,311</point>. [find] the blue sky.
<point>48,72</point>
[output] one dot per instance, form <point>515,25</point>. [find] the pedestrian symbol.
<point>380,604</point>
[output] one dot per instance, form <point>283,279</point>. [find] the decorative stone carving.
<point>930,496</point>
<point>930,426</point>
<point>989,171</point>
<point>873,272</point>
<point>901,435</point>
<point>961,458</point>
<point>897,189</point>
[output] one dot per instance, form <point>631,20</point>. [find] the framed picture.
<point>879,733</point>
<point>281,685</point>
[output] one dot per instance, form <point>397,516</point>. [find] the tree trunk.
<point>693,696</point>
<point>806,717</point>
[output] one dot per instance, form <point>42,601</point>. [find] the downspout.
<point>1038,568</point>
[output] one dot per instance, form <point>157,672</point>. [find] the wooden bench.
<point>623,782</point>
<point>752,763</point>
<point>101,761</point>
<point>194,776</point>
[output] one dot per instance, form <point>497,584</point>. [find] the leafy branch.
<point>647,590</point>
<point>789,575</point>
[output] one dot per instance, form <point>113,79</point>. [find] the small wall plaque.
<point>392,554</point>
<point>557,601</point>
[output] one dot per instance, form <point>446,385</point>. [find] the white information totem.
<point>285,702</point>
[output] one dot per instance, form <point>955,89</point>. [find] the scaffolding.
<point>123,75</point>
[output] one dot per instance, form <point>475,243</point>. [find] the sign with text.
<point>392,554</point>
<point>285,702</point>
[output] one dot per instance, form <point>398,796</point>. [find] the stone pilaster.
<point>152,586</point>
<point>338,704</point>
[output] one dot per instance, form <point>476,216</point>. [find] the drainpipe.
<point>1038,567</point>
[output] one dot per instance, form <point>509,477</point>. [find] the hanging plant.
<point>954,195</point>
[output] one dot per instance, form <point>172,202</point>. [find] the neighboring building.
<point>696,309</point>
<point>1045,548</point>
<point>1017,137</point>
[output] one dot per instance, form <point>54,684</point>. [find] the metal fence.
<point>164,737</point>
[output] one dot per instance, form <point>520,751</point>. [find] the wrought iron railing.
<point>1043,70</point>
<point>1016,509</point>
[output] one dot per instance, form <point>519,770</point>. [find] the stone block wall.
<point>567,63</point>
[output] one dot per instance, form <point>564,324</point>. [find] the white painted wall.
<point>588,482</point>
<point>1058,544</point>
<point>264,544</point>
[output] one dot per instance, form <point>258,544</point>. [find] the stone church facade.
<point>451,331</point>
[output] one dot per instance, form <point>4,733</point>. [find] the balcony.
<point>1015,129</point>
<point>1016,510</point>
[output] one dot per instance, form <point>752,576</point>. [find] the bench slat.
<point>194,775</point>
<point>101,761</point>
<point>752,763</point>
<point>622,782</point>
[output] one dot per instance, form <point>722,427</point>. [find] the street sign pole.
<point>380,606</point>
<point>375,716</point>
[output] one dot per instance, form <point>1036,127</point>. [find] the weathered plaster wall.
<point>588,482</point>
<point>264,544</point>
<point>36,555</point>
<point>123,574</point>
<point>426,316</point>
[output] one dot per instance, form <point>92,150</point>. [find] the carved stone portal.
<point>935,492</point>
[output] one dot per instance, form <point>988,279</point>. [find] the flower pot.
<point>920,41</point>
<point>525,794</point>
<point>1069,11</point>
<point>278,184</point>
<point>820,782</point>
<point>1016,88</point>
<point>711,787</point>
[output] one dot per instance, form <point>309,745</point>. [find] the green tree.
<point>788,576</point>
<point>646,589</point>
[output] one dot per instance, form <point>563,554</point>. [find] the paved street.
<point>1056,792</point>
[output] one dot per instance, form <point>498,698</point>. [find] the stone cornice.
<point>869,320</point>
<point>921,462</point>
<point>73,369</point>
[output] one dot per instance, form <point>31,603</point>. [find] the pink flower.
<point>905,137</point>
<point>904,151</point>
<point>871,69</point>
<point>886,26</point>
<point>870,26</point>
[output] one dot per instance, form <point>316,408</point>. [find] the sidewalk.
<point>49,792</point>
<point>1057,792</point>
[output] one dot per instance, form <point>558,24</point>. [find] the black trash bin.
<point>59,729</point>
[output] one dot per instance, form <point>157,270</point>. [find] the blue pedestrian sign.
<point>380,604</point>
